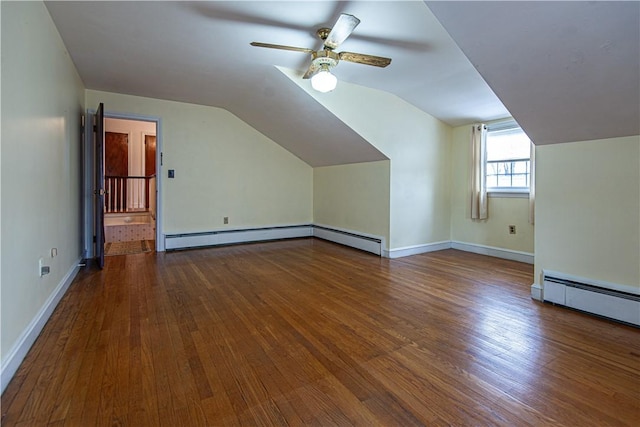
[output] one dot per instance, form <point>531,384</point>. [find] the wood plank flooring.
<point>306,332</point>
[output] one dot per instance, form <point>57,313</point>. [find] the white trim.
<point>228,237</point>
<point>536,292</point>
<point>493,251</point>
<point>503,124</point>
<point>20,349</point>
<point>508,194</point>
<point>416,249</point>
<point>599,283</point>
<point>159,211</point>
<point>355,239</point>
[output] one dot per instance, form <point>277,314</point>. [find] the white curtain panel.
<point>478,172</point>
<point>532,185</point>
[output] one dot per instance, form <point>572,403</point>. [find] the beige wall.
<point>494,231</point>
<point>42,101</point>
<point>419,148</point>
<point>223,168</point>
<point>353,197</point>
<point>420,179</point>
<point>588,210</point>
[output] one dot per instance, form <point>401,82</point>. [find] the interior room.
<point>313,255</point>
<point>129,183</point>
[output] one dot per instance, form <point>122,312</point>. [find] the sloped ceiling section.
<point>567,71</point>
<point>193,52</point>
<point>287,115</point>
<point>199,52</point>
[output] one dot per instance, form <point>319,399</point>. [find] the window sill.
<point>508,194</point>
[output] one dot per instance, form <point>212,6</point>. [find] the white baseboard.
<point>536,292</point>
<point>227,237</point>
<point>525,257</point>
<point>18,352</point>
<point>354,239</point>
<point>417,249</point>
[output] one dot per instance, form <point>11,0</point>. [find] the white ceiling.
<point>199,52</point>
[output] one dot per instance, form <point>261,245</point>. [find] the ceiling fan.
<point>325,59</point>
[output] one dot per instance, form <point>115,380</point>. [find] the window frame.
<point>506,192</point>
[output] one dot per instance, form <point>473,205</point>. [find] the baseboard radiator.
<point>346,238</point>
<point>618,304</point>
<point>228,237</point>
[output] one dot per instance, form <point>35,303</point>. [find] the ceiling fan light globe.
<point>324,81</point>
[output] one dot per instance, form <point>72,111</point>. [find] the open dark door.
<point>99,184</point>
<point>149,167</point>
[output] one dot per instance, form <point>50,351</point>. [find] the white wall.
<point>353,197</point>
<point>223,168</point>
<point>588,210</point>
<point>494,231</point>
<point>42,101</point>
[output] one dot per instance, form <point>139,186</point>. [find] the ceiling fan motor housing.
<point>325,56</point>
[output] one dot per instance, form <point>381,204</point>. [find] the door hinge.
<point>94,239</point>
<point>161,158</point>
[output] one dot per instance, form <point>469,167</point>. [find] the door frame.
<point>89,178</point>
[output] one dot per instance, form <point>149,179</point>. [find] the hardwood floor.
<point>305,332</point>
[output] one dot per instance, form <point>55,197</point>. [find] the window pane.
<point>508,153</point>
<point>507,144</point>
<point>520,181</point>
<point>520,167</point>
<point>504,181</point>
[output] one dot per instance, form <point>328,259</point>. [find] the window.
<point>508,167</point>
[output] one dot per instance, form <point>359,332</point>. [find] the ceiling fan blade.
<point>313,69</point>
<point>342,29</point>
<point>282,47</point>
<point>361,58</point>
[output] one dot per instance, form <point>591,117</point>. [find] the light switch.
<point>172,173</point>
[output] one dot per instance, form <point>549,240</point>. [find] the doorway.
<point>130,186</point>
<point>131,215</point>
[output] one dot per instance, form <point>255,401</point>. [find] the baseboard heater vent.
<point>622,304</point>
<point>354,240</point>
<point>228,237</point>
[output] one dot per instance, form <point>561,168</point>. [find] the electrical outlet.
<point>512,229</point>
<point>43,269</point>
<point>225,220</point>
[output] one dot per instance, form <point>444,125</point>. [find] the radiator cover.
<point>618,304</point>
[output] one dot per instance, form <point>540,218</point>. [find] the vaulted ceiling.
<point>565,72</point>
